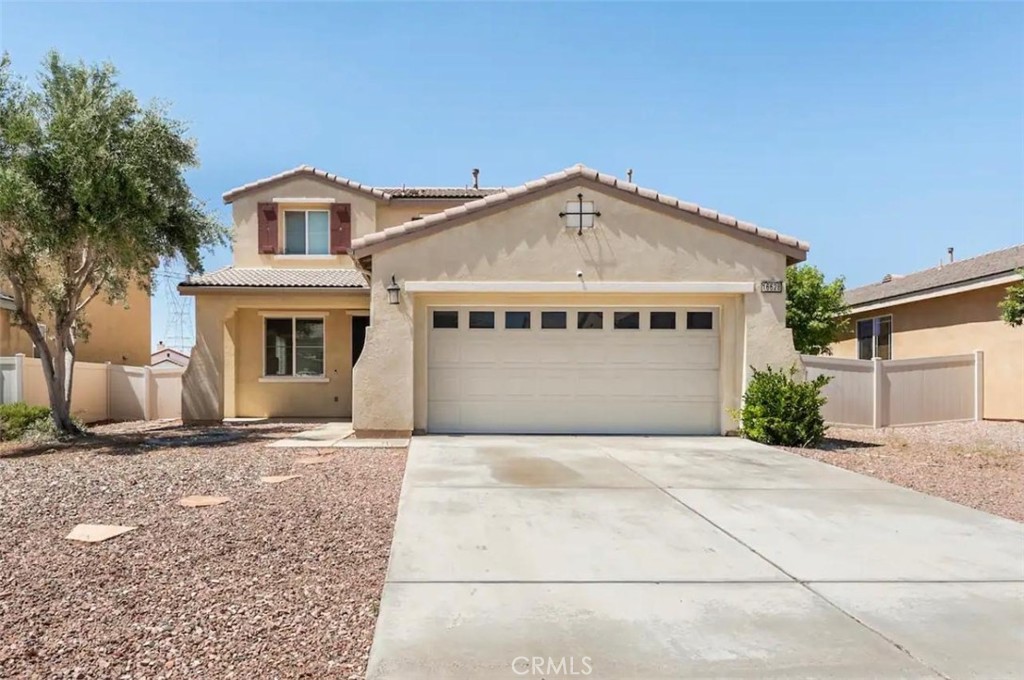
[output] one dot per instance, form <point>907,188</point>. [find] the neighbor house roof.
<point>956,274</point>
<point>383,194</point>
<point>437,221</point>
<point>232,277</point>
<point>168,349</point>
<point>6,300</point>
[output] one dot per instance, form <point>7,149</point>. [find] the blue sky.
<point>881,133</point>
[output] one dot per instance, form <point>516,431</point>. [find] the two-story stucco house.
<point>575,303</point>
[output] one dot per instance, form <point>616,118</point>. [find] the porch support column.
<point>382,379</point>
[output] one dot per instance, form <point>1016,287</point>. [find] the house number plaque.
<point>771,286</point>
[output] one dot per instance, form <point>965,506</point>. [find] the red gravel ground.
<point>980,465</point>
<point>282,581</point>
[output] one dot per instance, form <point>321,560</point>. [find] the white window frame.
<point>314,316</point>
<point>305,217</point>
<point>874,338</point>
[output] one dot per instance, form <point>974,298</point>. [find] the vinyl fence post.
<point>106,374</point>
<point>147,388</point>
<point>19,377</point>
<point>979,385</point>
<point>876,393</point>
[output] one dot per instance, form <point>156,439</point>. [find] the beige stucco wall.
<point>223,375</point>
<point>119,333</point>
<point>246,235</point>
<point>528,242</point>
<point>959,324</point>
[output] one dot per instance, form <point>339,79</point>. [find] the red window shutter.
<point>267,227</point>
<point>341,228</point>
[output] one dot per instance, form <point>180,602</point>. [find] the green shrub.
<point>18,417</point>
<point>780,410</point>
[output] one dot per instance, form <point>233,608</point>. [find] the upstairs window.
<point>874,338</point>
<point>306,232</point>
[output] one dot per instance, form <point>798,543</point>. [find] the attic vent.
<point>890,277</point>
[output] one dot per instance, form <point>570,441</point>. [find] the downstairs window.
<point>293,347</point>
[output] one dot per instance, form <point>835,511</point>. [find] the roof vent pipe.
<point>629,175</point>
<point>950,251</point>
<point>476,178</point>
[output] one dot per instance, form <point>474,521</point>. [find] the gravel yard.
<point>282,581</point>
<point>980,465</point>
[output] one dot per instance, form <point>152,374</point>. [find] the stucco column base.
<point>382,379</point>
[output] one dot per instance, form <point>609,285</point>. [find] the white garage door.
<point>573,370</point>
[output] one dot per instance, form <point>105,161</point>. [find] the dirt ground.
<point>283,580</point>
<point>980,465</point>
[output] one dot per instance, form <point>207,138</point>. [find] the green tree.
<point>815,310</point>
<point>92,197</point>
<point>1012,306</point>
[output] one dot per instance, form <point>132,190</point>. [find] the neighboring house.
<point>949,309</point>
<point>167,357</point>
<point>575,303</point>
<point>118,333</point>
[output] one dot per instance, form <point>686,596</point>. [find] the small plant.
<point>17,418</point>
<point>780,410</point>
<point>32,423</point>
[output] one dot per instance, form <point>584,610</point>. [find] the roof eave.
<point>995,279</point>
<point>795,250</point>
<point>197,288</point>
<point>307,171</point>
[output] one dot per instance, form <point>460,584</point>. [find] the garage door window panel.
<point>627,321</point>
<point>446,318</point>
<point>700,321</point>
<point>481,320</point>
<point>663,321</point>
<point>590,320</point>
<point>517,320</point>
<point>553,320</point>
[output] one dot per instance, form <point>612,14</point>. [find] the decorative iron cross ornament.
<point>577,215</point>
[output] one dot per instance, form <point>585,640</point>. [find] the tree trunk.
<point>56,375</point>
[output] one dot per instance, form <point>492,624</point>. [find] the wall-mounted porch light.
<point>393,291</point>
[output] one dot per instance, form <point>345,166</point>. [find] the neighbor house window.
<point>874,338</point>
<point>306,232</point>
<point>293,347</point>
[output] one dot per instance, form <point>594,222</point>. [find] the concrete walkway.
<point>335,435</point>
<point>654,558</point>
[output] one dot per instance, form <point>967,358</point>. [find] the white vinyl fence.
<point>889,393</point>
<point>100,391</point>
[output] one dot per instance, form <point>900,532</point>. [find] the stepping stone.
<point>277,479</point>
<point>94,533</point>
<point>202,501</point>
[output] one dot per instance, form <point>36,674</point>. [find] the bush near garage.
<point>21,421</point>
<point>781,410</point>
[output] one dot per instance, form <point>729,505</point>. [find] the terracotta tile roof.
<point>974,269</point>
<point>440,192</point>
<point>434,221</point>
<point>277,278</point>
<point>231,195</point>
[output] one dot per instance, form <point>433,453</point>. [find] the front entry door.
<point>359,324</point>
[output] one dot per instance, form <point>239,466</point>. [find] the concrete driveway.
<point>651,557</point>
